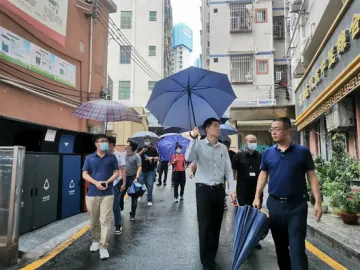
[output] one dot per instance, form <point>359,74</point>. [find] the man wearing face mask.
<point>149,156</point>
<point>100,170</point>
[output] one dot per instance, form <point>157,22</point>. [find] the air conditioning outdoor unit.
<point>249,78</point>
<point>278,76</point>
<point>295,6</point>
<point>110,126</point>
<point>341,115</point>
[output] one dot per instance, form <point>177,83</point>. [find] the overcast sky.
<point>188,11</point>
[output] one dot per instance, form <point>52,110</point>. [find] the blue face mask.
<point>104,146</point>
<point>252,146</point>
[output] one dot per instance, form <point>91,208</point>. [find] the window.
<point>280,74</point>
<point>152,16</point>
<point>126,20</point>
<point>261,15</point>
<point>242,68</point>
<point>262,66</point>
<point>125,55</point>
<point>215,10</point>
<point>152,50</point>
<point>216,60</point>
<point>278,27</point>
<point>240,18</point>
<point>124,89</point>
<point>151,85</point>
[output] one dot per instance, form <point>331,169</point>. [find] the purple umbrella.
<point>106,111</point>
<point>167,146</point>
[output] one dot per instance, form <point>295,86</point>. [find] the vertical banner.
<point>48,16</point>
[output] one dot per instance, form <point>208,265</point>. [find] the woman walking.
<point>178,163</point>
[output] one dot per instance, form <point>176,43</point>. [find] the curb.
<point>333,243</point>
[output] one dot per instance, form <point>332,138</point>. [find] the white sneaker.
<point>176,200</point>
<point>150,203</point>
<point>104,254</point>
<point>94,247</point>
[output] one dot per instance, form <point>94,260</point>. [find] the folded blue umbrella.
<point>136,190</point>
<point>186,99</point>
<point>251,225</point>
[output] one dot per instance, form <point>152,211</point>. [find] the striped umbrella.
<point>106,111</point>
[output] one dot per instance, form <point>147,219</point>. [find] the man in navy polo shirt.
<point>100,169</point>
<point>286,165</point>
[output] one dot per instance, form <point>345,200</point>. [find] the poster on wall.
<point>23,53</point>
<point>48,16</point>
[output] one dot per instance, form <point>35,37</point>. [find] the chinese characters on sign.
<point>334,56</point>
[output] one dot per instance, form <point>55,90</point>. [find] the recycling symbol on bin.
<point>72,184</point>
<point>46,184</point>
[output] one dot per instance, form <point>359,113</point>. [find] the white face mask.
<point>146,143</point>
<point>178,151</point>
<point>252,146</point>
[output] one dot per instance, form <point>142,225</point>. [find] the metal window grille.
<point>125,54</point>
<point>126,20</point>
<point>280,69</point>
<point>152,16</point>
<point>152,50</point>
<point>262,66</point>
<point>261,15</point>
<point>242,68</point>
<point>151,85</point>
<point>278,27</point>
<point>124,89</point>
<point>240,17</point>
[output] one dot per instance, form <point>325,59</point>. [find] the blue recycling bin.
<point>66,144</point>
<point>70,186</point>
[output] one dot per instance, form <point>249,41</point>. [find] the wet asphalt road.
<point>164,236</point>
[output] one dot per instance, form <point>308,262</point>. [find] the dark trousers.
<point>134,200</point>
<point>288,223</point>
<point>210,210</point>
<point>163,169</point>
<point>179,179</point>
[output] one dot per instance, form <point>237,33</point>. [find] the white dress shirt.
<point>213,163</point>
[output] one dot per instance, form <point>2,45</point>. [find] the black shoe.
<point>159,184</point>
<point>212,266</point>
<point>118,230</point>
<point>258,246</point>
<point>164,183</point>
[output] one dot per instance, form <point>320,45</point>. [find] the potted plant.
<point>348,205</point>
<point>325,207</point>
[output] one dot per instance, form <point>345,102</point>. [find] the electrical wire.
<point>127,42</point>
<point>44,87</point>
<point>129,54</point>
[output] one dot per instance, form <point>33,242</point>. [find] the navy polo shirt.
<point>100,169</point>
<point>287,170</point>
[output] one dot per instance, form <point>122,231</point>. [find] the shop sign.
<point>339,52</point>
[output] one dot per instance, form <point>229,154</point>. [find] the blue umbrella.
<point>167,146</point>
<point>136,189</point>
<point>251,225</point>
<point>189,97</point>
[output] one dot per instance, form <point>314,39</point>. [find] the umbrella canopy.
<point>167,146</point>
<point>189,97</point>
<point>139,137</point>
<point>251,225</point>
<point>106,111</point>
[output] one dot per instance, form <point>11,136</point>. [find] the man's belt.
<point>215,186</point>
<point>287,199</point>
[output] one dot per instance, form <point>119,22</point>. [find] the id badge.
<point>252,174</point>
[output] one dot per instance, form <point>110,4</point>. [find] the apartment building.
<point>246,40</point>
<point>323,48</point>
<point>182,44</point>
<point>139,52</point>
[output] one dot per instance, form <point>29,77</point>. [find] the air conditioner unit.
<point>341,115</point>
<point>278,76</point>
<point>249,78</point>
<point>295,6</point>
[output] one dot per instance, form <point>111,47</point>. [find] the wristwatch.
<point>193,137</point>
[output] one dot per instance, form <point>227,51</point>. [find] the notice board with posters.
<point>48,16</point>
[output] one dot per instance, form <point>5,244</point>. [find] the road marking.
<point>38,263</point>
<point>318,253</point>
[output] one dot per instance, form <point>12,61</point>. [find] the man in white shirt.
<point>213,164</point>
<point>118,185</point>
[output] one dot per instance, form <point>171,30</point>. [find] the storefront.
<point>328,97</point>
